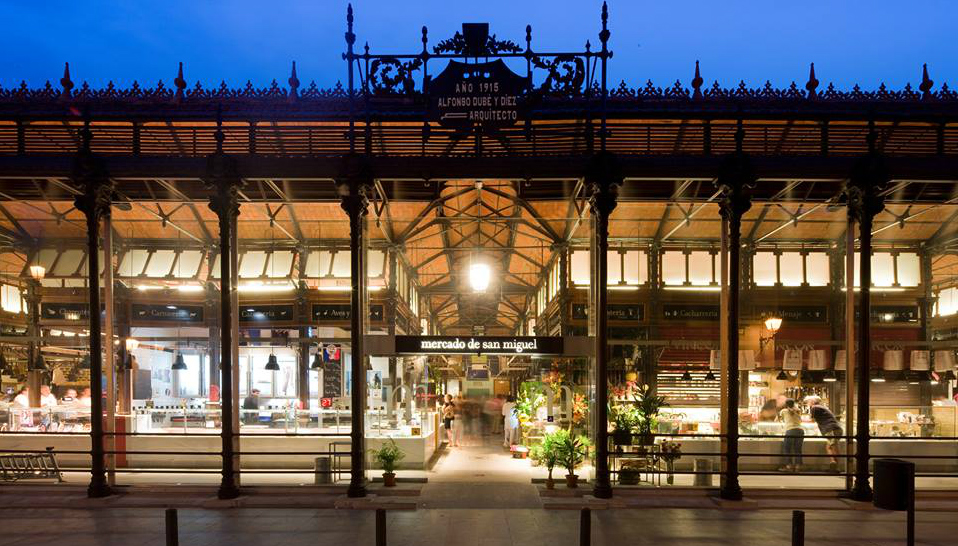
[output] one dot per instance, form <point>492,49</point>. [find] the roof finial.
<point>812,84</point>
<point>293,84</point>
<point>697,82</point>
<point>350,37</point>
<point>604,34</point>
<point>926,83</point>
<point>180,83</point>
<point>65,82</point>
<point>425,38</point>
<point>528,37</point>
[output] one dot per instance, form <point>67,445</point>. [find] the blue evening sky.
<point>850,41</point>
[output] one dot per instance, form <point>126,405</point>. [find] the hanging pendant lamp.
<point>782,376</point>
<point>687,376</point>
<point>179,364</point>
<point>39,364</point>
<point>272,364</point>
<point>317,360</point>
<point>710,376</point>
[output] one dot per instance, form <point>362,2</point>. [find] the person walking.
<point>828,426</point>
<point>792,445</point>
<point>459,421</point>
<point>448,415</point>
<point>510,422</point>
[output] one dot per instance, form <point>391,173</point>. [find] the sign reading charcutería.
<point>167,313</point>
<point>481,95</point>
<point>479,345</point>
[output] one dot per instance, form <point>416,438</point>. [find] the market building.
<point>267,277</point>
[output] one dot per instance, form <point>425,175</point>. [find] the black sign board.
<point>796,313</point>
<point>478,345</point>
<point>66,311</point>
<point>672,311</point>
<point>617,311</point>
<point>482,95</point>
<point>12,330</point>
<point>265,313</point>
<point>338,312</point>
<point>333,379</point>
<point>892,313</point>
<point>167,313</point>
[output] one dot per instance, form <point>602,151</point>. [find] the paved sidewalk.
<point>462,527</point>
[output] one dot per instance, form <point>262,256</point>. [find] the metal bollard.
<point>172,530</point>
<point>798,528</point>
<point>380,527</point>
<point>585,527</point>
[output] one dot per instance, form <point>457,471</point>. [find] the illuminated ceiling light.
<point>479,276</point>
<point>258,287</point>
<point>623,287</point>
<point>879,289</point>
<point>830,377</point>
<point>37,272</point>
<point>878,377</point>
<point>694,288</point>
<point>171,307</point>
<point>145,287</point>
<point>132,343</point>
<point>179,364</point>
<point>271,364</point>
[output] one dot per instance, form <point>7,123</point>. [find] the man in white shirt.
<point>22,399</point>
<point>46,397</point>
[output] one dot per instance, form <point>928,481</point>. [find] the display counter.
<point>193,447</point>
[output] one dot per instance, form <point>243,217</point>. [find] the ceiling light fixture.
<point>37,272</point>
<point>782,376</point>
<point>179,364</point>
<point>479,276</point>
<point>272,364</point>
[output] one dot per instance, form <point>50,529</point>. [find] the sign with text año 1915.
<point>485,96</point>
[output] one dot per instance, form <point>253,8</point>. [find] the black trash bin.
<point>894,484</point>
<point>324,470</point>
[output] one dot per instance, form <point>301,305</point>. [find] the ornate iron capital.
<point>735,181</point>
<point>864,189</point>
<point>224,180</point>
<point>90,174</point>
<point>603,179</point>
<point>356,186</point>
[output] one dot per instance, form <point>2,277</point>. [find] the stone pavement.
<point>462,527</point>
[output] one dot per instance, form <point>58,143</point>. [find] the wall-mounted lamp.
<point>37,272</point>
<point>772,324</point>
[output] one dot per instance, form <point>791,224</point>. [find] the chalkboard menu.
<point>333,379</point>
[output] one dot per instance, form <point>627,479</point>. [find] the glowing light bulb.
<point>479,275</point>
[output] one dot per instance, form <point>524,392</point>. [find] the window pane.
<point>615,266</point>
<point>673,267</point>
<point>763,269</point>
<point>636,267</point>
<point>791,269</point>
<point>252,263</point>
<point>700,268</point>
<point>188,380</point>
<point>580,267</point>
<point>908,269</point>
<point>341,265</point>
<point>817,264</point>
<point>883,269</point>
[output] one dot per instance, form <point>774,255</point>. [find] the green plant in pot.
<point>572,453</point>
<point>648,406</point>
<point>629,476</point>
<point>546,454</point>
<point>387,457</point>
<point>625,419</point>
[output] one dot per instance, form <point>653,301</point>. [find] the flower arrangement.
<point>670,452</point>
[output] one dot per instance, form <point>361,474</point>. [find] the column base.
<point>602,489</point>
<point>731,490</point>
<point>861,491</point>
<point>228,490</point>
<point>98,488</point>
<point>357,489</point>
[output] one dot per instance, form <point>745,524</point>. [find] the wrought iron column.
<point>226,183</point>
<point>865,201</point>
<point>94,202</point>
<point>353,195</point>
<point>735,179</point>
<point>604,182</point>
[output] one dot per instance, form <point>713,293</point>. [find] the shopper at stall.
<point>828,426</point>
<point>22,399</point>
<point>25,415</point>
<point>251,402</point>
<point>794,437</point>
<point>85,399</point>
<point>510,422</point>
<point>69,397</point>
<point>448,415</point>
<point>46,397</point>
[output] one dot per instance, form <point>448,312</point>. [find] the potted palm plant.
<point>547,454</point>
<point>572,452</point>
<point>387,458</point>
<point>648,406</point>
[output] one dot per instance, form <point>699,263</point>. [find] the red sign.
<point>326,402</point>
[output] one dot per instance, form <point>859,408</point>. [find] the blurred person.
<point>85,398</point>
<point>448,416</point>
<point>70,396</point>
<point>457,423</point>
<point>510,422</point>
<point>46,397</point>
